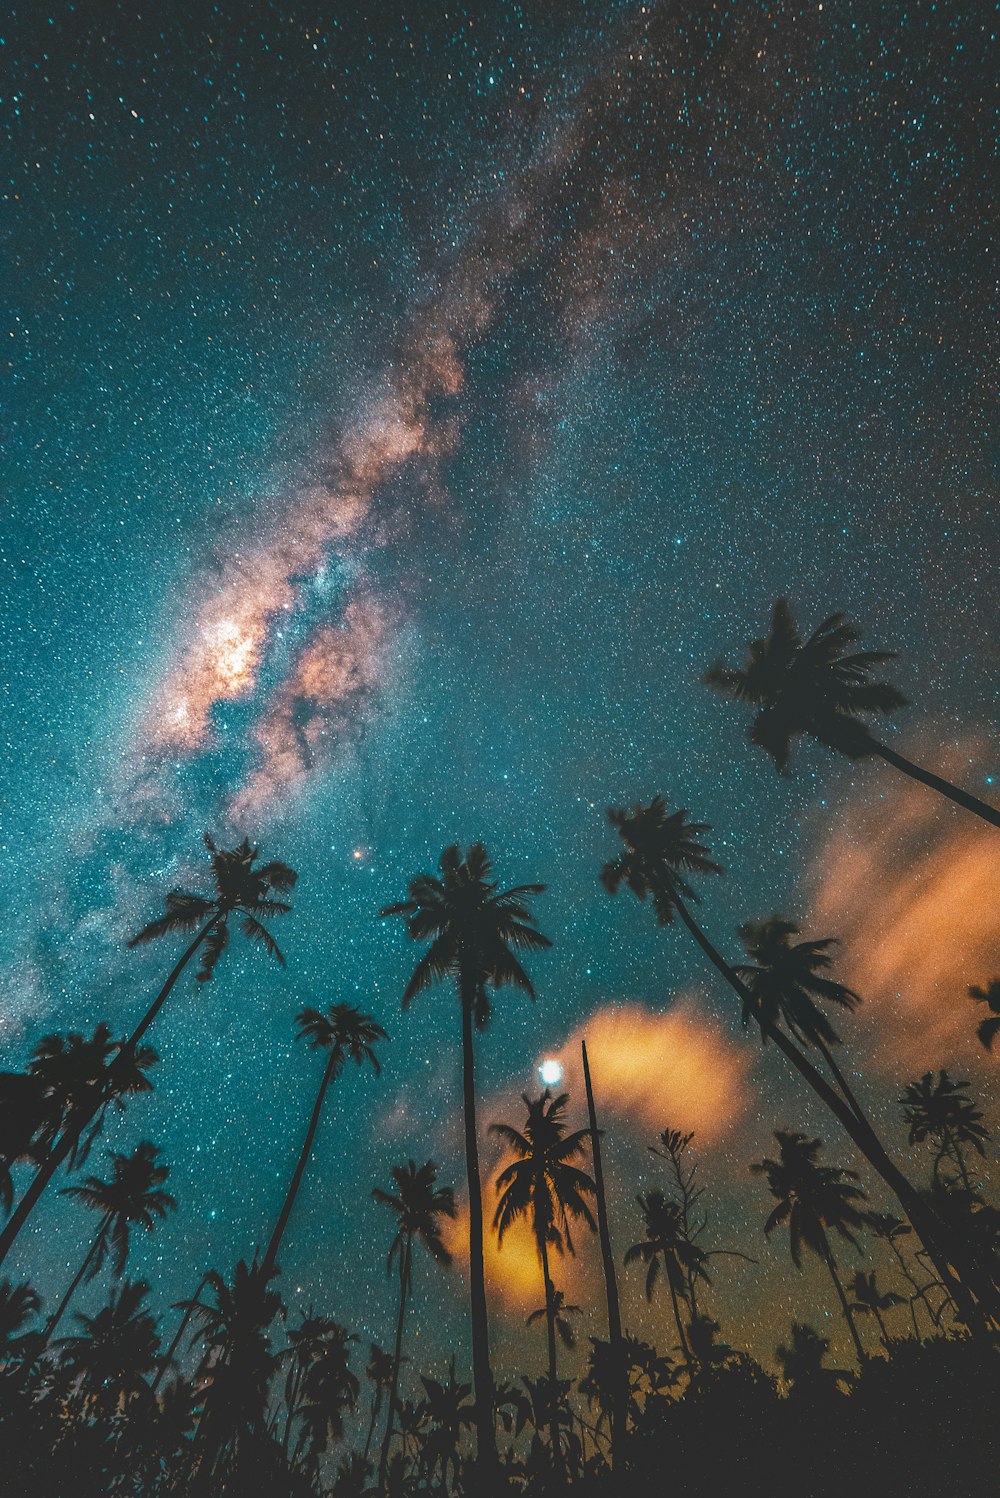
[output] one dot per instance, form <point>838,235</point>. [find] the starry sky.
<point>402,406</point>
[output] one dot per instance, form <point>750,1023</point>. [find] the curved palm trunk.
<point>685,1349</point>
<point>60,1310</point>
<point>376,1411</point>
<point>607,1259</point>
<point>168,1356</point>
<point>271,1253</point>
<point>70,1136</point>
<point>956,1268</point>
<point>486,1443</point>
<point>936,782</point>
<point>831,1265</point>
<point>397,1358</point>
<point>841,1080</point>
<point>558,1465</point>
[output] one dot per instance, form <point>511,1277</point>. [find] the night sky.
<point>400,411</point>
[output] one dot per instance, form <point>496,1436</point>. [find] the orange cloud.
<point>913,890</point>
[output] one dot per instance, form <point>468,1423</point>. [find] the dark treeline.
<point>231,1392</point>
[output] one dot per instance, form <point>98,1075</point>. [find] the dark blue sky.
<point>740,341</point>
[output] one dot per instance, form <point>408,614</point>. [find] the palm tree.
<point>816,688</point>
<point>802,1361</point>
<point>667,1247</point>
<point>346,1035</point>
<point>448,1411</point>
<point>472,926</point>
<point>889,1229</point>
<point>988,1028</point>
<point>319,1388</point>
<point>379,1372</point>
<point>132,1197</point>
<point>18,1304</point>
<point>660,851</point>
<point>561,1311</point>
<point>607,1259</point>
<point>813,1200</point>
<point>419,1205</point>
<point>869,1300</point>
<point>940,1110</point>
<point>116,1349</point>
<point>786,978</point>
<point>240,889</point>
<point>542,1185</point>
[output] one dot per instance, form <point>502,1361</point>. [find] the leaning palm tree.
<point>786,978</point>
<point>939,1109</point>
<point>818,688</point>
<point>870,1300</point>
<point>814,1200</point>
<point>988,1028</point>
<point>472,926</point>
<point>419,1205</point>
<point>661,851</point>
<point>346,1035</point>
<point>667,1248</point>
<point>242,889</point>
<point>544,1187</point>
<point>133,1197</point>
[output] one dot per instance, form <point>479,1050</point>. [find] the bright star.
<point>551,1072</point>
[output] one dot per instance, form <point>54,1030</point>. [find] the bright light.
<point>551,1072</point>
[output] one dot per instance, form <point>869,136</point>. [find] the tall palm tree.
<point>607,1262</point>
<point>667,1247</point>
<point>988,1028</point>
<point>869,1300</point>
<point>419,1204</point>
<point>472,926</point>
<point>814,1200</point>
<point>241,889</point>
<point>939,1109</point>
<point>819,689</point>
<point>786,978</point>
<point>346,1035</point>
<point>133,1197</point>
<point>543,1186</point>
<point>661,851</point>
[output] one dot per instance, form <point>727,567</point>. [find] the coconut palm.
<point>115,1350</point>
<point>346,1035</point>
<point>661,851</point>
<point>869,1300</point>
<point>133,1197</point>
<point>822,689</point>
<point>319,1388</point>
<point>544,1187</point>
<point>786,978</point>
<point>667,1248</point>
<point>940,1110</point>
<point>242,889</point>
<point>561,1312</point>
<point>473,927</point>
<point>988,1028</point>
<point>814,1200</point>
<point>419,1205</point>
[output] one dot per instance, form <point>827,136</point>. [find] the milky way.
<point>403,412</point>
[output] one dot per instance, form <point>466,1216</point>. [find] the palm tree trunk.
<point>271,1253</point>
<point>397,1358</point>
<point>831,1265</point>
<point>168,1356</point>
<point>607,1259</point>
<point>550,1334</point>
<point>957,1270</point>
<point>841,1080</point>
<point>881,1327</point>
<point>60,1310</point>
<point>376,1411</point>
<point>936,783</point>
<point>677,1319</point>
<point>486,1444</point>
<point>67,1141</point>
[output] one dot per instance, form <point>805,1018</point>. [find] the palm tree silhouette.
<point>18,1305</point>
<point>813,1200</point>
<point>939,1109</point>
<point>607,1259</point>
<point>116,1350</point>
<point>319,1388</point>
<point>661,850</point>
<point>346,1035</point>
<point>419,1204</point>
<point>988,1028</point>
<point>448,1411</point>
<point>132,1197</point>
<point>786,978</point>
<point>889,1230</point>
<point>561,1312</point>
<point>379,1373</point>
<point>816,688</point>
<point>544,1187</point>
<point>869,1300</point>
<point>802,1361</point>
<point>240,889</point>
<point>472,926</point>
<point>667,1247</point>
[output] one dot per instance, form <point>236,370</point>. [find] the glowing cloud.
<point>913,890</point>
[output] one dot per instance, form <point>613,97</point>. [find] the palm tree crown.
<point>667,1246</point>
<point>117,1348</point>
<point>133,1196</point>
<point>661,849</point>
<point>344,1031</point>
<point>786,978</point>
<point>419,1204</point>
<point>471,926</point>
<point>988,1028</point>
<point>820,687</point>
<point>541,1182</point>
<point>811,1198</point>
<point>241,888</point>
<point>939,1109</point>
